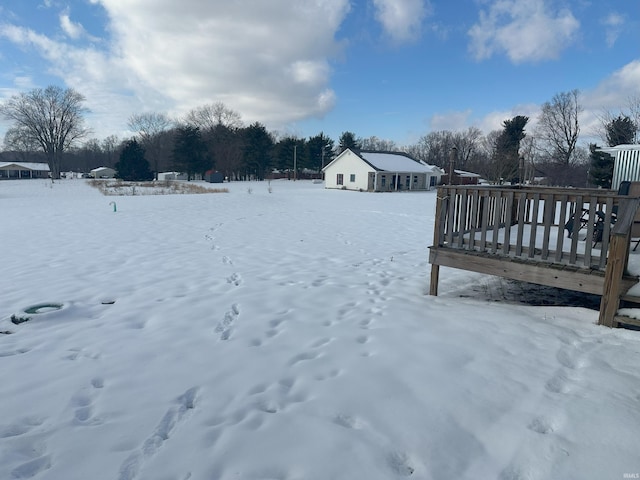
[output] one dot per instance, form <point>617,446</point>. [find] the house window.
<point>352,177</point>
<point>340,179</point>
<point>407,181</point>
<point>383,180</point>
<point>415,179</point>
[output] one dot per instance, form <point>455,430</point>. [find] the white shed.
<point>626,164</point>
<point>103,172</point>
<point>172,176</point>
<point>379,172</point>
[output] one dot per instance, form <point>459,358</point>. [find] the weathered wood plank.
<point>613,280</point>
<point>547,216</point>
<point>562,221</point>
<point>581,280</point>
<point>485,219</point>
<point>534,224</point>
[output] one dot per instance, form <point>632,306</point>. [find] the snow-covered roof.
<point>102,169</point>
<point>43,167</point>
<point>619,148</point>
<point>395,162</point>
<point>462,173</point>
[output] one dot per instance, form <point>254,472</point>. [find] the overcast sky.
<point>395,69</point>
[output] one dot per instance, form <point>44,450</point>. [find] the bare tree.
<point>149,127</point>
<point>634,114</point>
<point>109,147</point>
<point>468,145</point>
<point>558,126</point>
<point>377,144</point>
<point>207,117</point>
<point>51,118</point>
<point>18,141</point>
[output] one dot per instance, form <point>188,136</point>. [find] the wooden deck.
<point>520,233</point>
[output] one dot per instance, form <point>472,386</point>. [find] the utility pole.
<point>295,161</point>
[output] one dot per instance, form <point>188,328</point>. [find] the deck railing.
<point>582,234</point>
<point>529,222</point>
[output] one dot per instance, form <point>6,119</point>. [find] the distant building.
<point>626,163</point>
<point>212,176</point>
<point>103,172</point>
<point>379,172</point>
<point>15,170</point>
<point>172,176</point>
<point>460,177</point>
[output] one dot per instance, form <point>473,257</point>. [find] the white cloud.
<point>614,92</point>
<point>73,30</point>
<point>453,121</point>
<point>267,60</point>
<point>402,19</point>
<point>525,30</point>
<point>612,95</point>
<point>613,24</point>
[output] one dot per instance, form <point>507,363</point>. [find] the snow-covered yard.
<point>287,335</point>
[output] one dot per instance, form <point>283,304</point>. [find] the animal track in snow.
<point>21,442</point>
<point>321,342</point>
<point>225,326</point>
<point>330,374</point>
<point>80,353</point>
<point>83,403</point>
<point>347,421</point>
<point>400,463</point>
<point>303,357</point>
<point>542,425</point>
<point>10,353</point>
<point>234,279</point>
<point>130,468</point>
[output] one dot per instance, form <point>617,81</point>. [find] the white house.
<point>626,163</point>
<point>103,172</point>
<point>379,172</point>
<point>24,170</point>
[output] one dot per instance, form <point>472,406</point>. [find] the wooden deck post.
<point>617,258</point>
<point>612,280</point>
<point>437,239</point>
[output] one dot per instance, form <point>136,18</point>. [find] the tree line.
<point>49,125</point>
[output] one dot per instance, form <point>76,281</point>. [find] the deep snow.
<point>287,335</point>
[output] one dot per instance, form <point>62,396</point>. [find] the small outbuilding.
<point>626,163</point>
<point>172,176</point>
<point>379,172</point>
<point>461,177</point>
<point>16,170</point>
<point>103,172</point>
<point>212,176</point>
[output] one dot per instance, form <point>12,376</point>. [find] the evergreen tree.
<point>132,165</point>
<point>190,152</point>
<point>319,151</point>
<point>620,130</point>
<point>507,153</point>
<point>284,152</point>
<point>258,147</point>
<point>600,167</point>
<point>348,140</point>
